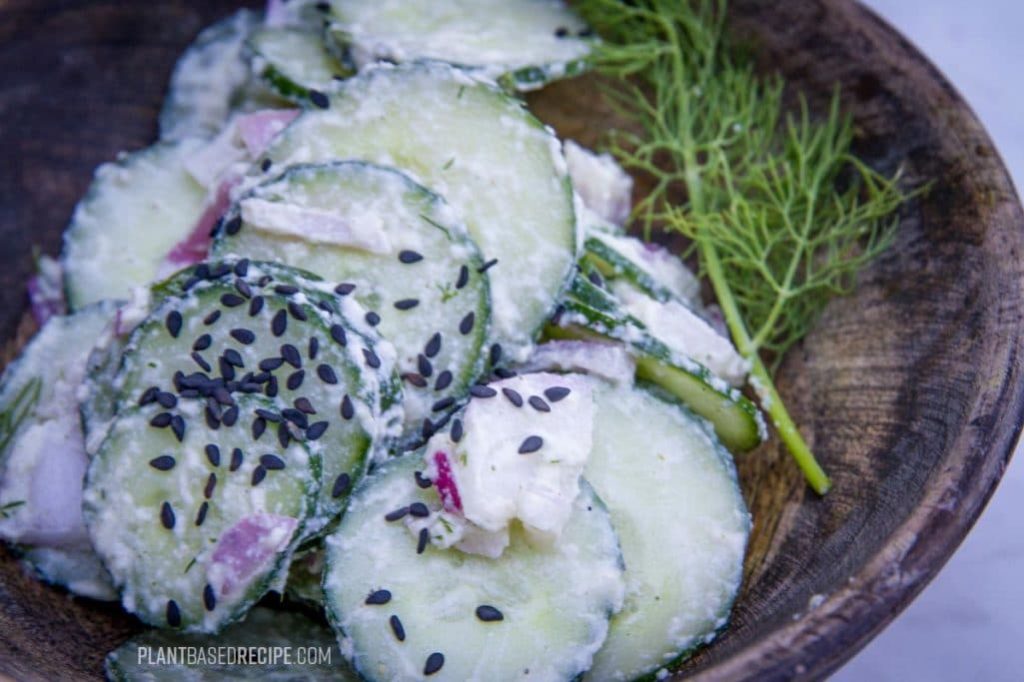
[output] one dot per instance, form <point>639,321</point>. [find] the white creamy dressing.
<point>354,228</point>
<point>606,189</point>
<point>659,263</point>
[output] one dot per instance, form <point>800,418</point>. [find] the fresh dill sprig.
<point>782,215</point>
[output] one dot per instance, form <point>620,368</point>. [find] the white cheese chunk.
<point>360,229</point>
<point>606,189</point>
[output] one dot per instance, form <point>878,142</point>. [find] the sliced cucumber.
<point>227,329</point>
<point>403,615</point>
<point>495,164</point>
<point>195,523</point>
<point>42,452</point>
<point>295,648</point>
<point>736,420</point>
<point>208,80</point>
<point>295,63</point>
<point>79,571</point>
<point>405,252</point>
<point>525,43</point>
<point>683,526</point>
<point>305,577</point>
<point>650,268</point>
<point>136,210</point>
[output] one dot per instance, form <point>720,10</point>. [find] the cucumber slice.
<point>277,635</point>
<point>42,451</point>
<point>209,79</point>
<point>227,329</point>
<point>524,43</point>
<point>195,529</point>
<point>553,604</point>
<point>497,166</point>
<point>136,210</point>
<point>305,577</point>
<point>736,420</point>
<point>79,571</point>
<point>414,267</point>
<point>683,526</point>
<point>295,64</point>
<point>650,268</point>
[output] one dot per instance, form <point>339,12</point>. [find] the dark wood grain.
<point>910,390</point>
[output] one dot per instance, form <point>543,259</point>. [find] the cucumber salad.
<point>360,354</point>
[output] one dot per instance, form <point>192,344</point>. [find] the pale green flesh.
<point>137,659</point>
<point>153,356</point>
<point>79,571</point>
<point>675,502</point>
<point>135,211</point>
<point>410,218</point>
<point>152,564</point>
<point>555,602</point>
<point>295,61</point>
<point>497,167</point>
<point>519,38</point>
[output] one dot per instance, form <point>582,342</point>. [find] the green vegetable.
<point>780,212</point>
<point>23,404</point>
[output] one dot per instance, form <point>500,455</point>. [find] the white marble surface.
<point>969,623</point>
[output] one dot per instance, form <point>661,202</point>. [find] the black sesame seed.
<point>279,323</point>
<point>286,289</point>
<point>531,444</point>
<point>338,334</point>
<point>397,514</point>
<point>242,287</point>
<point>232,226</point>
<point>378,598</point>
<point>230,416</point>
<point>234,357</point>
<point>211,318</point>
<point>424,366</point>
<point>209,598</point>
<point>193,280</point>
<point>219,270</point>
<point>433,346</point>
<point>371,358</point>
<point>372,319</point>
<point>167,515</point>
<point>255,306</point>
<point>487,266</point>
<point>295,380</point>
<point>173,322</point>
<point>421,480</point>
<point>258,474</point>
<point>422,540</point>
<point>444,380</point>
<point>341,485</point>
<point>162,463</point>
<point>496,353</point>
<point>595,279</point>
<point>428,429</point>
<point>231,300</point>
<point>202,271</point>
<point>297,311</point>
<point>556,393</point>
<point>295,417</point>
<point>348,410</point>
<point>538,403</point>
<point>271,389</point>
<point>326,374</point>
<point>416,380</point>
<point>419,510</point>
<point>149,396</point>
<point>212,415</point>
<point>504,373</point>
<point>201,514</point>
<point>489,614</point>
<point>271,462</point>
<point>407,303</point>
<point>269,415</point>
<point>314,348</point>
<point>202,343</point>
<point>456,432</point>
<point>211,485</point>
<point>243,336</point>
<point>409,257</point>
<point>319,99</point>
<point>270,364</point>
<point>284,434</point>
<point>264,280</point>
<point>396,627</point>
<point>173,614</point>
<point>478,391</point>
<point>561,32</point>
<point>213,454</point>
<point>290,354</point>
<point>344,289</point>
<point>259,425</point>
<point>226,370</point>
<point>178,427</point>
<point>316,430</point>
<point>442,404</point>
<point>166,400</point>
<point>242,267</point>
<point>463,278</point>
<point>513,396</point>
<point>304,405</point>
<point>223,396</point>
<point>466,325</point>
<point>435,662</point>
<point>236,459</point>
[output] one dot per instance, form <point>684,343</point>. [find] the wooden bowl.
<point>910,390</point>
